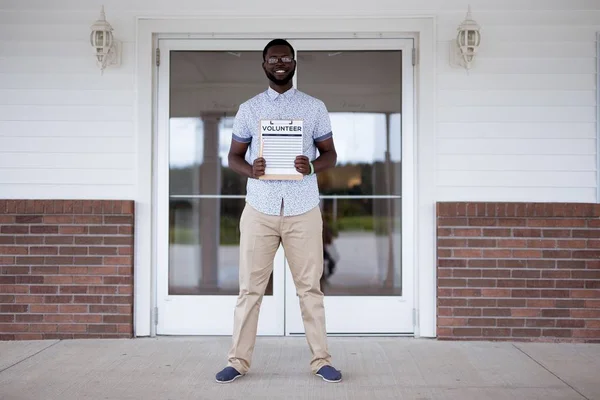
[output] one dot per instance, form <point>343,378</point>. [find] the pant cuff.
<point>317,365</point>
<point>238,367</point>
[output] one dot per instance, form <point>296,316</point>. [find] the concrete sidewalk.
<point>373,368</point>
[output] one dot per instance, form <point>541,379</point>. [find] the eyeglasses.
<point>273,60</point>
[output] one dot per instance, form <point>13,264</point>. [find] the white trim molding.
<point>422,28</point>
<point>597,117</point>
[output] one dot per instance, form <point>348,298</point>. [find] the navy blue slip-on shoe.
<point>227,375</point>
<point>329,374</point>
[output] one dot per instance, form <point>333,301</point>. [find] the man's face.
<point>279,65</point>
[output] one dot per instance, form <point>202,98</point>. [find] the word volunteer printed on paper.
<point>281,142</point>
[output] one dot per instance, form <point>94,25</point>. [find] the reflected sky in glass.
<point>359,138</point>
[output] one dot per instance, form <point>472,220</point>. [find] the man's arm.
<point>237,161</point>
<point>327,157</point>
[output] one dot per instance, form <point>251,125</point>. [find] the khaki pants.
<point>302,240</point>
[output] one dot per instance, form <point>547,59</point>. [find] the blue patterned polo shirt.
<point>298,196</point>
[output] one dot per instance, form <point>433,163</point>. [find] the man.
<point>280,211</point>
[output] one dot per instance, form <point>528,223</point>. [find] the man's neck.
<point>281,88</point>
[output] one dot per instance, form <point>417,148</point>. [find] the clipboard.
<point>280,142</point>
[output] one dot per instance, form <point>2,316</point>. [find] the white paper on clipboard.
<point>281,143</point>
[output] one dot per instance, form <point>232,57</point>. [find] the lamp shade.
<point>101,39</point>
<point>468,39</point>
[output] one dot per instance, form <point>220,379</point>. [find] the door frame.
<point>280,314</point>
<point>148,29</point>
<point>172,318</point>
<point>342,312</point>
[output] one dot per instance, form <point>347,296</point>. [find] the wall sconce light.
<point>467,42</point>
<point>107,50</point>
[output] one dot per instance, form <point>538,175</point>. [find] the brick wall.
<point>518,271</point>
<point>66,269</point>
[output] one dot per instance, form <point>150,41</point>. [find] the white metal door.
<point>196,251</point>
<point>372,292</point>
<point>186,303</point>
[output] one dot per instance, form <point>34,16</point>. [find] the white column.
<point>389,279</point>
<point>210,208</point>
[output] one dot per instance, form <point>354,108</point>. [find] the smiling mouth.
<point>280,71</point>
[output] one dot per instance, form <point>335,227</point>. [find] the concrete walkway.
<point>373,368</point>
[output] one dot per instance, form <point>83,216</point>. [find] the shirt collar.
<point>274,94</point>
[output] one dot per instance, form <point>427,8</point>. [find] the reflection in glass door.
<point>206,201</point>
<point>361,203</point>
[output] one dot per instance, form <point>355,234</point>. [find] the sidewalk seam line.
<point>558,377</point>
<point>27,358</point>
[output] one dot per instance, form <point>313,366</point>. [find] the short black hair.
<point>278,42</point>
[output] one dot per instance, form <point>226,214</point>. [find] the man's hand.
<point>258,167</point>
<point>302,165</point>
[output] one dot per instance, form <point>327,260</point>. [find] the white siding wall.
<point>520,126</point>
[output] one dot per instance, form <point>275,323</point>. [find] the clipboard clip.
<point>290,123</point>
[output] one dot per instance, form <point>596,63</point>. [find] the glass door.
<point>367,86</point>
<point>200,199</point>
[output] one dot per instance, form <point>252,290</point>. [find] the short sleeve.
<point>322,129</point>
<point>240,132</point>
